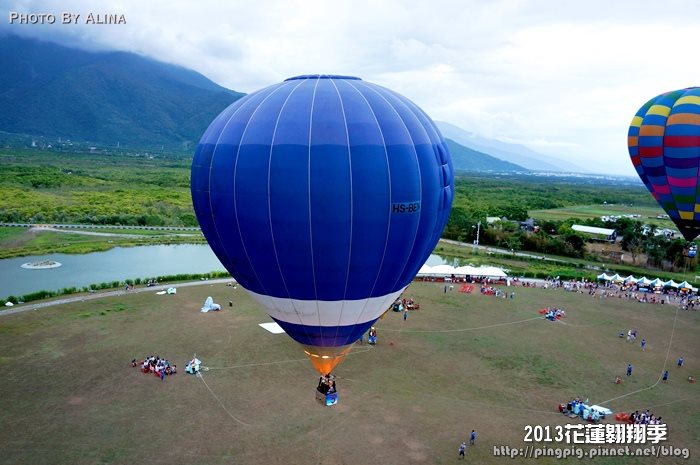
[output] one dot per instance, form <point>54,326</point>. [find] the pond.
<point>116,264</point>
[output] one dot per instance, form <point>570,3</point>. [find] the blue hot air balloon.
<point>323,196</point>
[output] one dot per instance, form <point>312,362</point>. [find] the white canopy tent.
<point>447,270</point>
<point>442,270</point>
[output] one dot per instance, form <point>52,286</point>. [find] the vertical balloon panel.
<point>323,196</point>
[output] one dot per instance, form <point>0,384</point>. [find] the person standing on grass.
<point>680,362</point>
<point>462,449</point>
<point>405,314</point>
<point>665,376</point>
<point>629,369</point>
<point>472,438</point>
<point>644,344</point>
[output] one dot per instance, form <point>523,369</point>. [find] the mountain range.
<point>103,97</point>
<point>120,98</point>
<point>514,153</point>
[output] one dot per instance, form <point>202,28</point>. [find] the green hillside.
<point>47,90</point>
<point>466,159</point>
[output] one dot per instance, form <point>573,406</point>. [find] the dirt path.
<point>98,295</point>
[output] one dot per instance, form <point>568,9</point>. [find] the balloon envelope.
<point>323,196</point>
<point>664,145</point>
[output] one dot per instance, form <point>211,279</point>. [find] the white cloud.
<point>563,78</point>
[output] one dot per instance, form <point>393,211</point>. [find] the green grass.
<point>648,213</point>
<point>8,234</point>
<point>71,397</point>
<point>567,267</point>
<point>18,242</point>
<point>87,188</point>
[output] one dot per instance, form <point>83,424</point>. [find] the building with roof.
<point>598,234</point>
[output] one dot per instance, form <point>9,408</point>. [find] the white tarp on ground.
<point>193,366</point>
<point>447,270</point>
<point>603,410</point>
<point>210,306</point>
<point>273,327</point>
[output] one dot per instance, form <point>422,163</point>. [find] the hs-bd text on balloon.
<point>407,207</point>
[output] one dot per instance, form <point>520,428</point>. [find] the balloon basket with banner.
<point>326,391</point>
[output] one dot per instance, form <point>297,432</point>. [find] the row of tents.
<point>645,282</point>
<point>448,270</point>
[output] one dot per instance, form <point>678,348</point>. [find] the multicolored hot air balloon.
<point>323,196</point>
<point>664,144</point>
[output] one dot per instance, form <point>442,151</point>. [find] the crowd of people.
<point>612,290</point>
<point>639,418</point>
<point>486,289</point>
<point>154,364</point>
<point>162,367</point>
<point>405,304</point>
<point>577,407</point>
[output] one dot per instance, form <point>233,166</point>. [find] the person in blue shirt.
<point>665,376</point>
<point>462,448</point>
<point>680,361</point>
<point>629,369</point>
<point>472,438</point>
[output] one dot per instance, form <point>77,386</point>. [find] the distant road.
<point>488,249</point>
<point>98,295</point>
<point>95,226</point>
<point>105,234</point>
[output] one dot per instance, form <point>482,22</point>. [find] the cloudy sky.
<point>563,78</point>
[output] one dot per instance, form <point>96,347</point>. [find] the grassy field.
<point>563,266</point>
<point>462,362</point>
<point>18,242</point>
<point>50,187</point>
<point>648,214</point>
